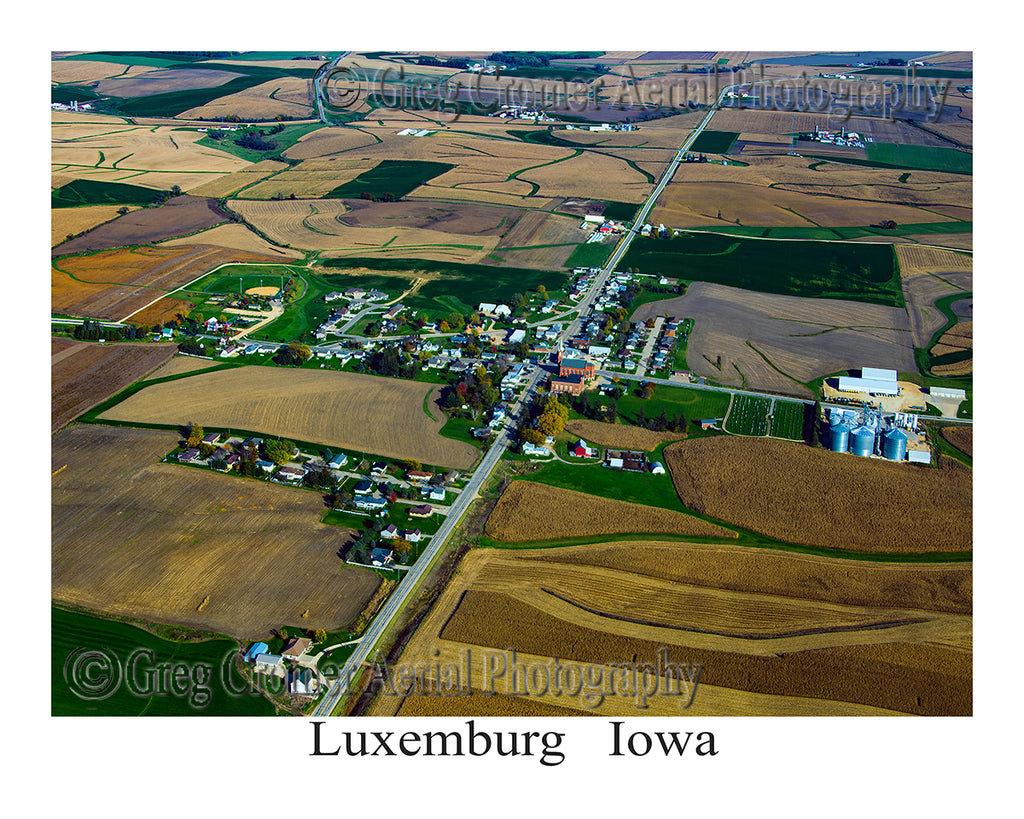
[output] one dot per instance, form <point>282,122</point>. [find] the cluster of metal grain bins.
<point>867,433</point>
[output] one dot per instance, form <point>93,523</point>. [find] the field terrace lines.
<point>84,374</point>
<point>362,413</point>
<point>66,222</point>
<point>921,292</point>
<point>804,337</point>
<point>112,284</point>
<point>132,536</point>
<point>606,603</point>
<point>235,237</point>
<point>179,216</point>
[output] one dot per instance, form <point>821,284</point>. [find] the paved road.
<point>411,580</point>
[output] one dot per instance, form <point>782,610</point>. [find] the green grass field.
<point>108,668</point>
<point>748,415</point>
<point>282,142</point>
<point>923,157</point>
<point>92,192</point>
<point>694,404</point>
<point>857,232</point>
<point>714,142</point>
<point>590,254</point>
<point>857,272</point>
<point>397,177</point>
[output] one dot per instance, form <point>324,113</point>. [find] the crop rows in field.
<point>788,420</point>
<point>748,415</point>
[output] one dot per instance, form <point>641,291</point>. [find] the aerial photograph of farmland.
<point>512,383</point>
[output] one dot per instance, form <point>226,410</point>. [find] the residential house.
<point>382,557</point>
<point>390,531</point>
<point>368,504</point>
<point>422,511</point>
<point>363,488</point>
<point>296,648</point>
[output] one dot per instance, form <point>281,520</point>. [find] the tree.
<point>123,210</point>
<point>401,546</point>
<point>533,436</point>
<point>280,452</point>
<point>195,434</point>
<point>320,636</point>
<point>550,423</point>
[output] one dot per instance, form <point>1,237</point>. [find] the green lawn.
<point>590,254</point>
<point>282,142</point>
<point>714,142</point>
<point>79,639</point>
<point>694,404</point>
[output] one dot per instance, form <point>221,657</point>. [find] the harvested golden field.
<point>320,225</point>
<point>620,436</point>
<point>903,676</point>
<point>364,413</point>
<point>593,175</point>
<point>329,142</point>
<point>89,71</point>
<point>83,374</point>
<point>787,649</point>
<point>956,369</point>
<point>66,222</point>
<point>283,96</point>
<point>182,364</point>
<point>115,284</point>
<point>234,237</point>
<point>156,157</point>
<point>232,183</point>
<point>478,704</point>
<point>917,261</point>
<point>530,511</point>
<point>132,536</point>
<point>802,495</point>
<point>958,337</point>
<point>962,437</point>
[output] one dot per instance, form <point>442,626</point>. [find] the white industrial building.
<point>872,380</point>
<point>947,392</point>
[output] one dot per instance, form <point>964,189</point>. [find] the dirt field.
<point>162,81</point>
<point>113,284</point>
<point>620,436</point>
<point>182,364</point>
<point>132,536</point>
<point>69,221</point>
<point>962,437</point>
<point>900,641</point>
<point>337,409</point>
<point>83,374</point>
<point>803,337</point>
<point>921,292</point>
<point>802,495</point>
<point>179,216</point>
<point>532,511</point>
<point>235,237</point>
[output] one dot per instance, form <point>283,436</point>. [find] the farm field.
<point>182,364</point>
<point>115,284</point>
<point>71,631</point>
<point>153,157</point>
<point>179,216</point>
<point>234,237</point>
<point>797,494</point>
<point>748,415</point>
<point>83,374</point>
<point>336,409</point>
<point>788,420</point>
<point>858,272</point>
<point>165,543</point>
<point>65,222</point>
<point>786,646</point>
<point>962,437</point>
<point>619,436</point>
<point>530,511</point>
<point>925,293</point>
<point>804,338</point>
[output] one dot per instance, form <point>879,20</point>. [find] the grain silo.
<point>862,441</point>
<point>894,445</point>
<point>839,436</point>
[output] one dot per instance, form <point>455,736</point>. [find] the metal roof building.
<point>839,437</point>
<point>894,445</point>
<point>869,385</point>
